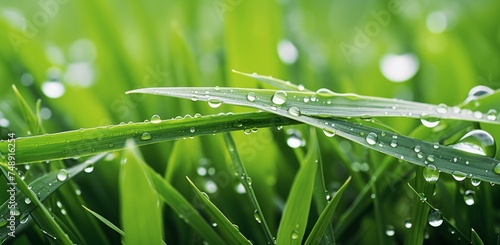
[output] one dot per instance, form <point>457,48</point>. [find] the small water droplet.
<point>478,142</point>
<point>469,197</point>
<point>217,88</point>
<point>279,98</point>
<point>422,197</point>
<point>431,174</point>
<point>251,96</point>
<point>389,230</point>
<point>27,200</point>
<point>394,143</point>
<point>329,132</point>
<point>417,149</point>
<point>458,175</point>
<point>306,99</point>
<point>205,195</point>
<point>294,111</point>
<point>249,180</point>
<point>371,138</point>
<point>435,219</point>
<point>492,115</point>
<point>62,175</point>
<point>240,188</point>
<point>475,181</point>
<point>214,103</point>
<point>89,168</point>
<point>295,234</point>
<point>155,119</point>
<point>257,216</point>
<point>430,158</point>
<point>408,223</point>
<point>496,169</point>
<point>146,136</point>
<point>300,87</point>
<point>192,130</point>
<point>442,109</point>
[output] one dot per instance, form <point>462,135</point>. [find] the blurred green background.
<point>80,57</point>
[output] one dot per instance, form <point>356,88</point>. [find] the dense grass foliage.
<point>98,166</point>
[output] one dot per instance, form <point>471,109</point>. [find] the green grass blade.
<point>324,103</point>
<point>105,221</point>
<point>140,211</point>
<point>277,83</point>
<point>325,218</point>
<point>41,189</point>
<point>242,173</point>
<point>476,240</point>
<point>443,157</point>
<point>32,121</point>
<point>85,142</point>
<point>184,208</point>
<point>227,229</point>
<point>294,220</point>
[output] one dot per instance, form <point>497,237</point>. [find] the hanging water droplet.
<point>294,111</point>
<point>89,168</point>
<point>478,142</point>
<point>431,174</point>
<point>492,115</point>
<point>458,175</point>
<point>214,103</point>
<point>279,98</point>
<point>329,132</point>
<point>389,230</point>
<point>435,219</point>
<point>257,216</point>
<point>371,138</point>
<point>294,139</point>
<point>155,119</point>
<point>62,175</point>
<point>475,181</point>
<point>146,136</point>
<point>251,96</point>
<point>408,223</point>
<point>429,121</point>
<point>469,197</point>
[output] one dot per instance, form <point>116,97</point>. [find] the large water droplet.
<point>279,98</point>
<point>251,96</point>
<point>458,175</point>
<point>146,136</point>
<point>478,142</point>
<point>496,169</point>
<point>469,197</point>
<point>62,175</point>
<point>214,103</point>
<point>477,92</point>
<point>429,121</point>
<point>155,119</point>
<point>371,138</point>
<point>435,219</point>
<point>431,174</point>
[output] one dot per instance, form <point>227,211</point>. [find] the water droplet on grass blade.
<point>477,92</point>
<point>442,109</point>
<point>62,175</point>
<point>279,98</point>
<point>214,103</point>
<point>155,119</point>
<point>394,143</point>
<point>496,169</point>
<point>146,136</point>
<point>257,216</point>
<point>431,174</point>
<point>371,138</point>
<point>192,130</point>
<point>89,168</point>
<point>295,234</point>
<point>251,96</point>
<point>458,175</point>
<point>475,182</point>
<point>429,121</point>
<point>478,142</point>
<point>329,132</point>
<point>492,115</point>
<point>294,111</point>
<point>435,219</point>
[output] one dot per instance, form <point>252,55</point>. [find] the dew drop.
<point>214,103</point>
<point>27,200</point>
<point>458,175</point>
<point>431,174</point>
<point>249,180</point>
<point>496,169</point>
<point>430,158</point>
<point>306,99</point>
<point>477,142</point>
<point>371,138</point>
<point>295,234</point>
<point>251,96</point>
<point>155,119</point>
<point>192,130</point>
<point>294,111</point>
<point>469,197</point>
<point>89,168</point>
<point>300,87</point>
<point>279,98</point>
<point>429,121</point>
<point>62,175</point>
<point>329,132</point>
<point>435,219</point>
<point>492,115</point>
<point>146,136</point>
<point>394,143</point>
<point>475,181</point>
<point>408,223</point>
<point>294,139</point>
<point>417,149</point>
<point>442,109</point>
<point>477,92</point>
<point>257,216</point>
<point>389,230</point>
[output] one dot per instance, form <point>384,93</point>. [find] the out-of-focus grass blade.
<point>325,218</point>
<point>275,82</point>
<point>140,205</point>
<point>227,229</point>
<point>476,240</point>
<point>242,173</point>
<point>399,146</point>
<point>85,142</point>
<point>43,187</point>
<point>184,208</point>
<point>105,221</point>
<point>29,116</point>
<point>294,220</point>
<point>324,103</point>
